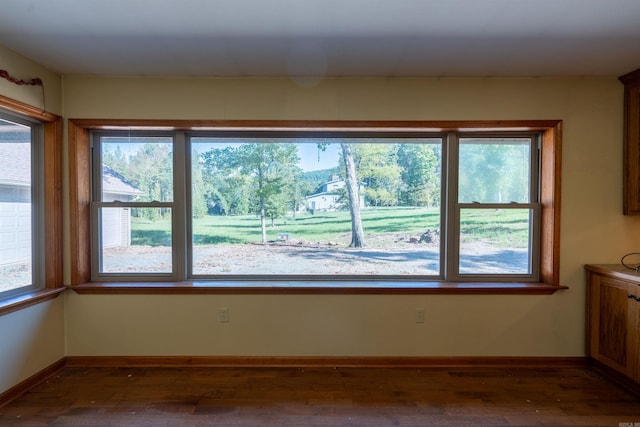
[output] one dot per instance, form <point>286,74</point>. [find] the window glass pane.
<point>137,169</point>
<point>136,240</point>
<point>494,170</point>
<point>15,206</point>
<point>281,206</point>
<point>495,241</point>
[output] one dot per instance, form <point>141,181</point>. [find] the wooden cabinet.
<point>613,318</point>
<point>631,183</point>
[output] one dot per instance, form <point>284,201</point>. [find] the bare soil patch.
<point>306,258</point>
<point>385,254</point>
<point>14,275</point>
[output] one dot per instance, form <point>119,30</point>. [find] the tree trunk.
<point>351,180</point>
<point>263,224</point>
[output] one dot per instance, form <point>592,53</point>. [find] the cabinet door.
<point>633,336</point>
<point>609,328</point>
<point>631,169</point>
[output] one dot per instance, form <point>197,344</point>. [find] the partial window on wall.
<point>21,196</point>
<point>497,211</point>
<point>211,206</point>
<point>134,206</point>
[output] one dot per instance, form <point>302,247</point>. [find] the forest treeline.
<point>231,180</point>
<point>236,180</point>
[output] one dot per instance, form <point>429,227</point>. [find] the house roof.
<point>15,170</point>
<point>320,38</point>
<point>322,194</point>
<point>115,183</point>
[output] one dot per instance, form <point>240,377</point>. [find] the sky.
<point>311,159</point>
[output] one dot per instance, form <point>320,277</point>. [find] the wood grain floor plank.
<point>275,396</point>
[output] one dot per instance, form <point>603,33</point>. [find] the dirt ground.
<point>384,255</point>
<point>14,275</point>
<point>314,259</point>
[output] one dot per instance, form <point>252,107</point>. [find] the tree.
<point>352,184</point>
<point>266,168</point>
<point>198,199</point>
<point>228,191</point>
<point>493,172</point>
<point>269,164</point>
<point>378,168</point>
<point>298,191</point>
<point>150,169</point>
<point>420,172</point>
<point>275,206</point>
<point>115,159</point>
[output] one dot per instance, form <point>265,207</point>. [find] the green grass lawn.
<point>502,227</point>
<point>322,226</point>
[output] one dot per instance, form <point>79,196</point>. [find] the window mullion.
<point>119,204</point>
<point>96,192</point>
<point>188,208</point>
<point>451,216</point>
<point>536,170</point>
<point>38,200</point>
<point>180,198</point>
<point>497,205</point>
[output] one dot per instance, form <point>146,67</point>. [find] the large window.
<point>170,205</point>
<point>21,196</point>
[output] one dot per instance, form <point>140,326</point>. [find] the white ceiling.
<point>326,37</point>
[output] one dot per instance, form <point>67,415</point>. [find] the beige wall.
<point>593,227</point>
<point>24,69</point>
<point>33,338</point>
<point>323,325</point>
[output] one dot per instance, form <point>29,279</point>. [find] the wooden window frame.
<point>53,220</point>
<point>80,198</point>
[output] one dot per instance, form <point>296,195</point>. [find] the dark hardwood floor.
<point>196,396</point>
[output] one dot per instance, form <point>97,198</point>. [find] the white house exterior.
<point>116,222</point>
<point>326,199</point>
<point>15,202</point>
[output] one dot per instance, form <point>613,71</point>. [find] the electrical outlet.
<point>223,315</point>
<point>419,315</point>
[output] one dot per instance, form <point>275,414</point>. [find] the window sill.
<point>311,288</point>
<point>31,298</point>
